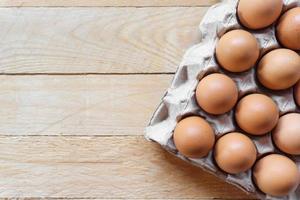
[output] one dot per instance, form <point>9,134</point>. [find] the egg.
<point>194,137</point>
<point>216,94</point>
<point>276,175</point>
<point>286,134</point>
<point>297,93</point>
<point>237,51</point>
<point>235,153</point>
<point>257,114</point>
<point>258,14</point>
<point>288,29</point>
<point>279,69</point>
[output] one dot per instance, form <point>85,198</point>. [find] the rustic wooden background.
<point>79,82</point>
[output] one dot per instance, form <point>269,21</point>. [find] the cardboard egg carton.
<point>179,100</point>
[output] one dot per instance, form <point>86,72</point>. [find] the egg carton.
<point>179,100</point>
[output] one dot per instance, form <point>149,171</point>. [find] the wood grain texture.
<point>96,40</point>
<point>79,105</point>
<point>101,167</point>
<point>115,3</point>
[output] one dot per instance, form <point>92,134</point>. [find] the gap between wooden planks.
<point>101,167</point>
<point>115,3</point>
<point>96,40</point>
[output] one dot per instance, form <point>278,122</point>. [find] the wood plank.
<point>79,105</point>
<point>96,40</point>
<point>115,3</point>
<point>101,167</point>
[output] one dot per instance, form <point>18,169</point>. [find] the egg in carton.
<point>200,60</point>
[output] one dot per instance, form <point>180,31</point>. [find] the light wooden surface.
<point>96,40</point>
<point>79,105</point>
<point>80,80</point>
<point>103,167</point>
<point>105,3</point>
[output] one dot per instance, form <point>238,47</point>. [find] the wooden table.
<point>79,82</point>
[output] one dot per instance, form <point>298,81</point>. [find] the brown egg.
<point>286,134</point>
<point>297,93</point>
<point>256,114</point>
<point>237,51</point>
<point>276,175</point>
<point>216,94</point>
<point>194,137</point>
<point>288,29</point>
<point>279,69</point>
<point>257,14</point>
<point>235,153</point>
